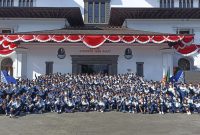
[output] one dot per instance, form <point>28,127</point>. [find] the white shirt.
<point>101,103</point>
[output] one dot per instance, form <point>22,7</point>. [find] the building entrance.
<point>93,64</point>
<point>95,69</point>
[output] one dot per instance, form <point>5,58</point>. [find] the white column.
<point>1,58</point>
<point>167,62</point>
<point>24,65</point>
<point>17,66</point>
<point>16,3</point>
<point>20,64</point>
<point>196,62</point>
<point>195,3</point>
<point>176,3</point>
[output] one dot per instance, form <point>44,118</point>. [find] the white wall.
<point>114,3</point>
<point>170,26</point>
<point>26,25</point>
<point>38,54</point>
<point>61,3</point>
<point>197,61</point>
<point>135,3</point>
<point>166,26</point>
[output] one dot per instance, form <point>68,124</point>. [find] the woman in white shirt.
<point>101,105</point>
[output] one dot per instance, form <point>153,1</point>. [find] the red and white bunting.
<point>94,41</point>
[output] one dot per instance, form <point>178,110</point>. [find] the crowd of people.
<point>68,93</point>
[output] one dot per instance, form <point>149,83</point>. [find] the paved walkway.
<point>94,123</point>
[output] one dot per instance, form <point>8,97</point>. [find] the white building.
<point>100,18</point>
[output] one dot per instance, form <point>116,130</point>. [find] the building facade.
<point>99,17</point>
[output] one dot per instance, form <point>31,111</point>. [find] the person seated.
<point>186,107</point>
<point>48,105</point>
<point>178,107</point>
<point>39,106</point>
<point>197,106</point>
<point>70,106</point>
<point>93,103</point>
<point>153,106</point>
<point>84,105</point>
<point>29,105</point>
<point>101,106</point>
<point>15,108</point>
<point>57,105</point>
<point>129,105</point>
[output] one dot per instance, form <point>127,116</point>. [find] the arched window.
<point>184,64</point>
<point>7,64</point>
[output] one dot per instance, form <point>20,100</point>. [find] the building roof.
<point>94,30</point>
<point>118,15</point>
<point>72,14</point>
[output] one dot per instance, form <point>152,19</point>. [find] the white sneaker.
<point>188,113</point>
<point>160,112</point>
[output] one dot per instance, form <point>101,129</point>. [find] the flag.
<point>6,78</point>
<point>178,77</point>
<point>181,77</point>
<point>168,75</point>
<point>3,78</point>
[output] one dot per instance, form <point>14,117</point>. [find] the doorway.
<point>94,64</point>
<point>95,69</point>
<point>7,64</point>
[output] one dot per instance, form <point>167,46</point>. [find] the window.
<point>167,3</point>
<point>140,68</point>
<point>6,3</point>
<point>90,12</point>
<point>184,31</point>
<point>6,31</point>
<point>103,14</point>
<point>49,68</point>
<point>25,3</point>
<point>96,11</point>
<point>186,3</point>
<point>184,64</point>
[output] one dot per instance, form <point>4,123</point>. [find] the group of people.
<point>68,93</point>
